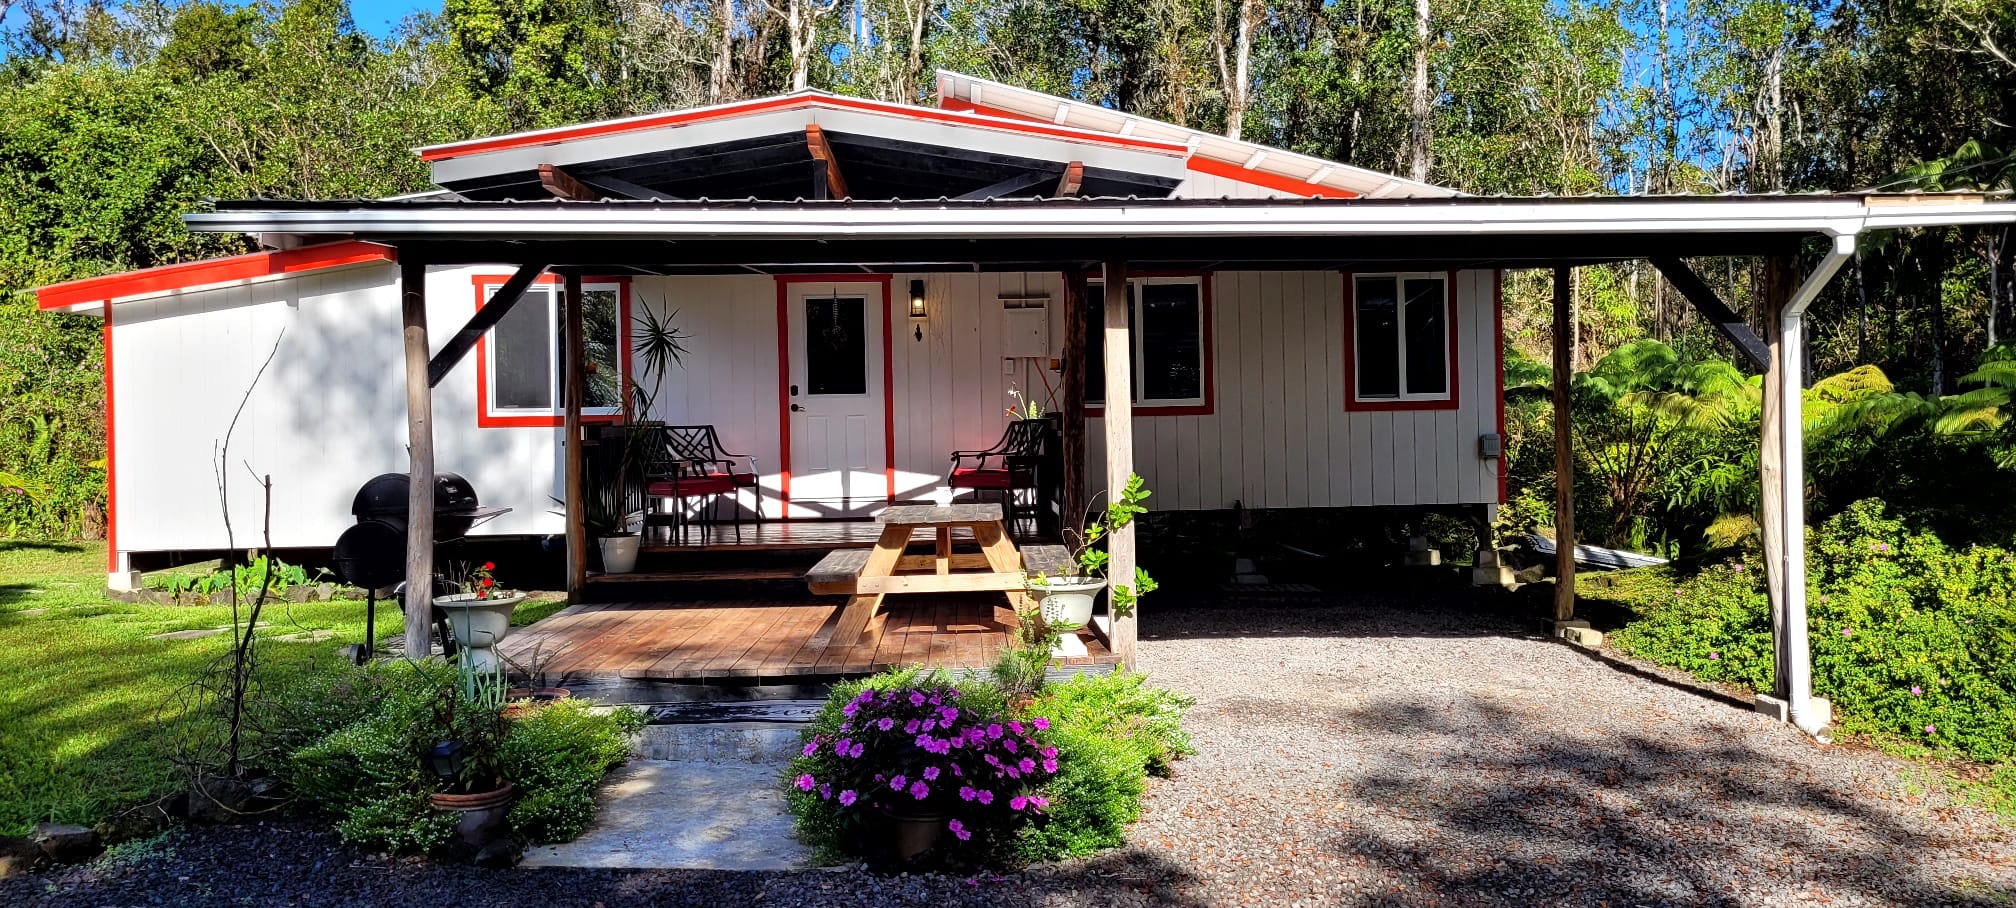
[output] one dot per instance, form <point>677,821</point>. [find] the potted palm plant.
<point>1065,601</point>
<point>470,726</point>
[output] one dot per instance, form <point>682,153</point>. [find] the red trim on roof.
<point>788,102</point>
<point>186,275</point>
<point>1276,181</point>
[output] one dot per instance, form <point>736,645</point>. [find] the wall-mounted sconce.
<point>917,311</point>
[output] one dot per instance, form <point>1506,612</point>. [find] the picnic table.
<point>866,575</point>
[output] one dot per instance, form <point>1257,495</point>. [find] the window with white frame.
<point>1400,337</point>
<point>524,352</point>
<point>1165,328</point>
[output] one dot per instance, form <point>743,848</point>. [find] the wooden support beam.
<point>1071,391</point>
<point>1781,278</point>
<point>1119,419</point>
<point>1074,177</point>
<point>614,188</point>
<point>486,318</point>
<point>420,459</point>
<point>1712,308</point>
<point>563,185</point>
<point>822,152</point>
<point>1564,455</point>
<point>574,380</point>
<point>1005,188</point>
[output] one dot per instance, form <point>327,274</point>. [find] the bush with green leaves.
<point>1111,732</point>
<point>372,771</point>
<point>1912,639</point>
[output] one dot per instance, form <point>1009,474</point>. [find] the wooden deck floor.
<point>750,641</point>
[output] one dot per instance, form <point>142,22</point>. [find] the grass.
<point>83,684</point>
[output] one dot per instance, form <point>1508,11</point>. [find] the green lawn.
<point>83,687</point>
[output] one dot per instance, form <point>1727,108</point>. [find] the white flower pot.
<point>619,553</point>
<point>1067,600</point>
<point>478,624</point>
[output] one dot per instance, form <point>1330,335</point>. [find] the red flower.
<point>487,583</point>
<point>489,565</point>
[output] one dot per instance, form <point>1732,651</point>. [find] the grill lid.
<point>383,497</point>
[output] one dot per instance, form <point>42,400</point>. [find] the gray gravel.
<point>1403,753</point>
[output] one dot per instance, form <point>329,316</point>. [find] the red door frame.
<point>784,282</point>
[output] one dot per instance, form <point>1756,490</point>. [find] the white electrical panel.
<point>1026,327</point>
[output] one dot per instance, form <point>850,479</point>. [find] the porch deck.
<point>748,641</point>
<point>771,535</point>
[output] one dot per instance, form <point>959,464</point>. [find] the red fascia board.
<point>684,118</point>
<point>168,278</point>
<point>1275,181</point>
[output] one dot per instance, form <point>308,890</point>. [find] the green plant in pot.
<point>1064,602</point>
<point>480,616</point>
<point>467,732</point>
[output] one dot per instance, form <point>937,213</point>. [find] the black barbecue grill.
<point>372,554</point>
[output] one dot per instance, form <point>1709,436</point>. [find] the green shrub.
<point>1911,638</point>
<point>556,755</point>
<point>1111,732</point>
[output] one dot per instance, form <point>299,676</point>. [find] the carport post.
<point>1564,454</point>
<point>1119,447</point>
<point>420,455</point>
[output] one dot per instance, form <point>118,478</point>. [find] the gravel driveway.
<point>1370,753</point>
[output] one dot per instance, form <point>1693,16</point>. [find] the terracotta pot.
<point>481,814</point>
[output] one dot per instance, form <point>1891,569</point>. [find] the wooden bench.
<point>838,573</point>
<point>1048,560</point>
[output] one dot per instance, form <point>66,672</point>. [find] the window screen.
<point>1377,333</point>
<point>521,353</point>
<point>836,345</point>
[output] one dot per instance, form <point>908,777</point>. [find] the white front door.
<point>839,460</point>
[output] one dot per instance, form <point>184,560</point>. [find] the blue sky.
<point>380,17</point>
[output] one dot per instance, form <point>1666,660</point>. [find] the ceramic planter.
<point>478,624</point>
<point>1067,601</point>
<point>479,817</point>
<point>619,553</point>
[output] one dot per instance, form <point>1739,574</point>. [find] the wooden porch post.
<point>1072,393</point>
<point>574,380</point>
<point>1564,452</point>
<point>420,456</point>
<point>1119,446</point>
<point>1780,277</point>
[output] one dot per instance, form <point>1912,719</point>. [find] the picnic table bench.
<point>866,575</point>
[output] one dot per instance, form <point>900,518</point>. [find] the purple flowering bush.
<point>916,744</point>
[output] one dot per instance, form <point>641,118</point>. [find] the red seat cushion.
<point>974,478</point>
<point>741,480</point>
<point>698,485</point>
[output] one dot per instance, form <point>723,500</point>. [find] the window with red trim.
<point>524,354</point>
<point>1400,339</point>
<point>1166,328</point>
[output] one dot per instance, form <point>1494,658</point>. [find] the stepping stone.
<point>31,611</point>
<point>315,636</point>
<point>684,815</point>
<point>197,634</point>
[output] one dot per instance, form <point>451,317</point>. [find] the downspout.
<point>1792,479</point>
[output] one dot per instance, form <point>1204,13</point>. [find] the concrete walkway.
<point>685,815</point>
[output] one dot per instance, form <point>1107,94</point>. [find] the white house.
<point>861,285</point>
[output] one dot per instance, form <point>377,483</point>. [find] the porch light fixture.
<point>917,300</point>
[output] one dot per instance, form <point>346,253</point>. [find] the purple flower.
<point>1049,753</point>
<point>841,746</point>
<point>956,771</point>
<point>811,747</point>
<point>929,724</point>
<point>1883,547</point>
<point>885,723</point>
<point>1050,766</point>
<point>898,783</point>
<point>1917,691</point>
<point>1041,723</point>
<point>1931,728</point>
<point>1009,744</point>
<point>1027,765</point>
<point>866,696</point>
<point>994,731</point>
<point>805,782</point>
<point>910,727</point>
<point>983,796</point>
<point>950,714</point>
<point>1739,569</point>
<point>1015,727</point>
<point>916,699</point>
<point>1847,632</point>
<point>850,709</point>
<point>826,791</point>
<point>1014,773</point>
<point>848,797</point>
<point>959,830</point>
<point>966,792</point>
<point>1035,801</point>
<point>919,790</point>
<point>930,773</point>
<point>856,751</point>
<point>1714,655</point>
<point>1017,802</point>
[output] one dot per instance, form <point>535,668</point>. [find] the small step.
<point>720,742</point>
<point>727,575</point>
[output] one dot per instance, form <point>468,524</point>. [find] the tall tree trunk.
<point>1418,101</point>
<point>1938,325</point>
<point>723,65</point>
<point>801,25</point>
<point>913,62</point>
<point>1772,154</point>
<point>1235,77</point>
<point>1861,311</point>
